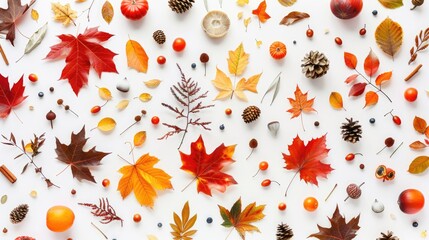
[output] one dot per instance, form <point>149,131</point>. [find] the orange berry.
<point>263,166</point>
<point>228,111</point>
<point>59,218</point>
<point>106,182</point>
<point>137,218</point>
<point>282,206</point>
<point>311,204</point>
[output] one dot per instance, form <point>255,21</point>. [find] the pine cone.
<point>315,64</point>
<point>251,113</point>
<point>388,236</point>
<point>284,232</point>
<point>351,131</point>
<point>18,214</point>
<point>180,6</point>
<point>159,36</point>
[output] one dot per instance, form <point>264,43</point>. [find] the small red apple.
<point>346,9</point>
<point>411,201</point>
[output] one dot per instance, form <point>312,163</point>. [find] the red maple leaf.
<point>81,53</point>
<point>207,167</point>
<point>261,12</point>
<point>10,98</point>
<point>306,159</point>
<point>10,15</point>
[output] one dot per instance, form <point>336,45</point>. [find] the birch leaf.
<point>389,36</point>
<point>123,104</point>
<point>145,97</point>
<point>34,14</point>
<point>238,60</point>
<point>139,138</point>
<point>105,94</point>
<point>136,56</point>
<point>287,3</point>
<point>36,39</point>
<point>392,4</point>
<point>106,124</point>
<point>107,12</point>
<point>336,100</point>
<point>152,83</point>
<point>371,98</point>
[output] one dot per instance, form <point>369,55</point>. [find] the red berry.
<point>73,191</point>
<point>179,44</point>
<point>266,183</point>
<point>95,109</point>
<point>161,60</point>
<point>33,77</point>
<point>338,41</point>
<point>309,32</point>
<point>155,120</point>
<point>411,94</point>
<point>106,182</point>
<point>263,166</point>
<point>350,157</point>
<point>137,218</point>
<point>396,120</point>
<point>228,111</point>
<point>362,31</point>
<point>282,206</point>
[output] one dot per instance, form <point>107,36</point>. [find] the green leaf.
<point>419,165</point>
<point>3,199</point>
<point>392,4</point>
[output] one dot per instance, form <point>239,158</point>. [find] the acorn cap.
<point>216,24</point>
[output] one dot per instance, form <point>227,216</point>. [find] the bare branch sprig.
<point>189,98</point>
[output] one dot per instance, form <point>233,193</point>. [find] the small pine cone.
<point>251,113</point>
<point>180,6</point>
<point>159,36</point>
<point>388,236</point>
<point>315,64</point>
<point>18,214</point>
<point>284,232</point>
<point>351,131</point>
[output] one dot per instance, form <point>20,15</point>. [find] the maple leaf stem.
<point>124,159</point>
<point>19,31</point>
<point>370,83</point>
<point>302,122</point>
<point>125,128</point>
<point>227,236</point>
<point>16,115</point>
<point>330,193</point>
<point>3,55</point>
<point>98,229</point>
<point>189,184</point>
<point>68,165</point>
<point>290,183</point>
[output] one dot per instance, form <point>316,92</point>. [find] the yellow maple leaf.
<point>144,180</point>
<point>63,13</point>
<point>240,15</point>
<point>136,56</point>
<point>226,89</point>
<point>242,3</point>
<point>238,60</point>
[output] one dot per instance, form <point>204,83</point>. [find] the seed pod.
<point>377,207</point>
<point>353,191</point>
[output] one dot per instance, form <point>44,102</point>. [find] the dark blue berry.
<point>375,12</point>
<point>193,65</point>
<point>294,42</point>
<point>372,120</point>
<point>222,127</point>
<point>159,225</point>
<point>41,94</point>
<point>209,220</point>
<point>415,224</point>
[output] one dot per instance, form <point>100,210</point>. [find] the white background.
<point>236,132</point>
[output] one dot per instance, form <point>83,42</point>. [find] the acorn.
<point>51,116</point>
<point>123,85</point>
<point>354,191</point>
<point>417,3</point>
<point>377,207</point>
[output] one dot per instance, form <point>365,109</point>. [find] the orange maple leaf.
<point>144,180</point>
<point>260,12</point>
<point>300,104</point>
<point>241,220</point>
<point>306,159</point>
<point>206,168</point>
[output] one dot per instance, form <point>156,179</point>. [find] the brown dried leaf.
<point>419,124</point>
<point>389,36</point>
<point>107,12</point>
<point>294,17</point>
<point>419,165</point>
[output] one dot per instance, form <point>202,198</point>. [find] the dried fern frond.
<point>104,210</point>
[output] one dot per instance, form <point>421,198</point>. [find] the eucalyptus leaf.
<point>36,39</point>
<point>275,85</point>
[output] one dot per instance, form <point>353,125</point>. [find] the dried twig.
<point>3,55</point>
<point>187,94</point>
<point>414,72</point>
<point>104,210</point>
<point>421,43</point>
<point>35,146</point>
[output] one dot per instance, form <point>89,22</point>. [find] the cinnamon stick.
<point>414,72</point>
<point>8,174</point>
<point>3,55</point>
